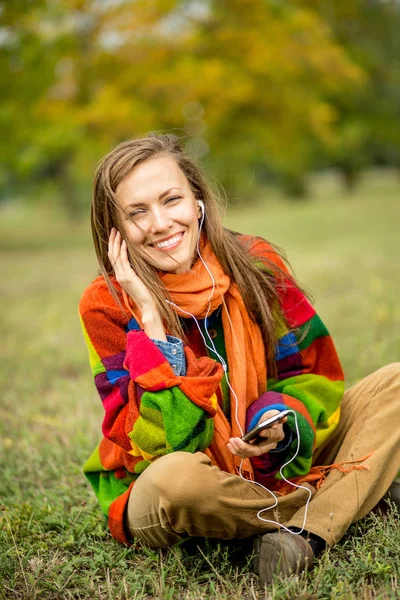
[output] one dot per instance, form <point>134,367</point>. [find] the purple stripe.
<point>114,363</point>
<point>263,402</point>
<point>288,374</point>
<point>104,387</point>
<point>289,364</point>
<point>123,384</point>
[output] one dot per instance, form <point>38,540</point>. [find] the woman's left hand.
<point>272,435</point>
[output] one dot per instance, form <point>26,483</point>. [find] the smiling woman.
<point>195,335</point>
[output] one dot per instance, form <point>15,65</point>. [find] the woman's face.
<point>160,214</point>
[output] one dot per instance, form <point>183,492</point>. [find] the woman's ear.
<point>200,208</point>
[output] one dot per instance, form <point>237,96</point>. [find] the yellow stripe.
<point>135,449</point>
<point>323,434</point>
<point>148,456</point>
<point>214,401</point>
<point>94,359</point>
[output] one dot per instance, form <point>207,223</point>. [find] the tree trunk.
<point>68,193</point>
<point>295,187</point>
<point>350,177</point>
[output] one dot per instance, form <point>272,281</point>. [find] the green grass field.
<point>53,542</point>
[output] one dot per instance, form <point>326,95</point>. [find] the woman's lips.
<point>170,243</point>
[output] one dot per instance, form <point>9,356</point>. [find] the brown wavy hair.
<point>259,288</point>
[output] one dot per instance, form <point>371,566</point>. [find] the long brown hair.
<point>259,289</point>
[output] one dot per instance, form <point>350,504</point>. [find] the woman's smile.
<point>169,243</point>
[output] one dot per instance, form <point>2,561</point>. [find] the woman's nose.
<point>159,221</point>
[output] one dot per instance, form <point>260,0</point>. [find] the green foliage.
<point>366,129</point>
<point>242,78</point>
<point>53,540</point>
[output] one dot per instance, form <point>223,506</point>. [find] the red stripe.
<point>296,307</point>
<point>319,358</point>
<point>116,517</point>
<point>141,354</point>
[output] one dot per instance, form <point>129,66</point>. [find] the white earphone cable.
<point>225,367</point>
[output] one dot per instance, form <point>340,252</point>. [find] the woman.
<point>195,334</point>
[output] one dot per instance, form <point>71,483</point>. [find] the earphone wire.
<point>212,347</point>
<point>224,365</point>
<point>225,368</point>
<point>298,486</point>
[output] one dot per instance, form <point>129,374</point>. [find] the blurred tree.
<point>368,117</point>
<point>38,139</point>
<point>276,63</point>
<point>250,81</point>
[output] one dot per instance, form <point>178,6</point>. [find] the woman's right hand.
<point>125,275</point>
<point>134,286</point>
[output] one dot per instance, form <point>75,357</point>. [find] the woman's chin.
<point>173,263</point>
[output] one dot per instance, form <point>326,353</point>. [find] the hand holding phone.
<point>254,434</point>
<point>263,438</point>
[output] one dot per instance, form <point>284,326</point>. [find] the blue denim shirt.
<point>173,347</point>
<point>173,352</point>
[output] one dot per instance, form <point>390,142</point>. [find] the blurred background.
<point>292,107</point>
<point>268,91</point>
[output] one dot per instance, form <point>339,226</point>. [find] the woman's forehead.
<point>150,179</point>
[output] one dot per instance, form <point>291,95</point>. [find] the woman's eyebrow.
<point>139,203</point>
<point>167,192</point>
<point>133,204</point>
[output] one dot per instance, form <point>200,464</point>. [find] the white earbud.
<point>200,203</point>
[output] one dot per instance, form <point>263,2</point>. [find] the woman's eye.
<point>171,199</point>
<point>136,213</point>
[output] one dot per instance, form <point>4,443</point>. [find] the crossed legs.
<point>183,494</point>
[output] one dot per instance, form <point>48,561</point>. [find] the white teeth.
<point>170,242</point>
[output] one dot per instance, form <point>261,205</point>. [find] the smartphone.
<point>254,433</point>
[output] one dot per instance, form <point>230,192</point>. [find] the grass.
<point>53,542</point>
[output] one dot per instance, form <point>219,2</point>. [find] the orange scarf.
<point>193,291</point>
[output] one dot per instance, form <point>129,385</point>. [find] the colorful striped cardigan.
<point>150,411</point>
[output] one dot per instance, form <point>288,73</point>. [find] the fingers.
<point>114,245</point>
<point>117,250</point>
<point>268,440</point>
<point>118,255</point>
<point>240,448</point>
<point>123,255</point>
<point>274,433</point>
<point>125,274</point>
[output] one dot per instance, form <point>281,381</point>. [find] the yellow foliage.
<point>259,70</point>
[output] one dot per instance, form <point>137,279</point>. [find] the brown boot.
<point>280,553</point>
<point>393,492</point>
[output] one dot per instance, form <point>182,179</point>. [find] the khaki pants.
<point>183,495</point>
